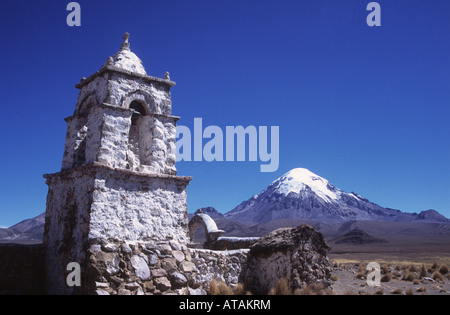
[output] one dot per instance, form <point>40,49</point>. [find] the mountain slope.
<point>302,195</point>
<point>26,231</point>
<point>211,211</point>
<point>29,224</point>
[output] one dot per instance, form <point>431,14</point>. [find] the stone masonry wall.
<point>98,203</point>
<point>300,255</point>
<point>222,266</point>
<point>156,268</point>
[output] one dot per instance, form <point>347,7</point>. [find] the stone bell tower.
<point>118,179</point>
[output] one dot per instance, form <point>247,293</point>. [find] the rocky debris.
<point>300,255</point>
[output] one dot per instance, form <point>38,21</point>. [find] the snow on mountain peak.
<point>297,179</point>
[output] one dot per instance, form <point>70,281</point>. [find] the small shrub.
<point>334,278</point>
<point>409,276</point>
<point>386,278</point>
<point>385,269</point>
<point>437,276</point>
<point>397,291</point>
<point>409,292</point>
<point>413,268</point>
<point>435,266</point>
<point>423,272</point>
<point>443,270</point>
<point>361,275</point>
<point>416,282</point>
<point>396,274</point>
<point>379,292</point>
<point>421,289</point>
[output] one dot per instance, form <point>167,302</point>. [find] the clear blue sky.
<point>366,108</point>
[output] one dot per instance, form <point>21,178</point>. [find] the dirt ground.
<point>350,279</point>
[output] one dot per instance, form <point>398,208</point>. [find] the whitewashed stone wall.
<point>127,206</point>
<point>66,226</point>
<point>96,203</point>
<point>107,136</point>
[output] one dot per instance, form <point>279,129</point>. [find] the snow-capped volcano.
<point>300,179</point>
<point>302,195</point>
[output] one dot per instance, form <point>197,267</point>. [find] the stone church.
<point>118,210</point>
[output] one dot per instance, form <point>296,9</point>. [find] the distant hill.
<point>211,211</point>
<point>357,237</point>
<point>26,231</point>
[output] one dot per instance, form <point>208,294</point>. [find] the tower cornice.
<point>113,69</point>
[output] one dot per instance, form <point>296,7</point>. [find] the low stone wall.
<point>22,269</point>
<point>142,268</point>
<point>222,266</point>
<point>159,268</point>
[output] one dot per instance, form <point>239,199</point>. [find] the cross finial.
<point>126,44</point>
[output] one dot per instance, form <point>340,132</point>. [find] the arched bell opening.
<point>141,134</point>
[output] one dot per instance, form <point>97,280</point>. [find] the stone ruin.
<point>119,210</point>
<point>300,255</point>
<point>214,238</point>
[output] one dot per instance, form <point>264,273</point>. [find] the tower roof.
<point>126,62</point>
<point>125,59</point>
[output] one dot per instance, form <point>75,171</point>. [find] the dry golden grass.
<point>313,289</point>
<point>213,288</point>
<point>222,289</point>
<point>409,276</point>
